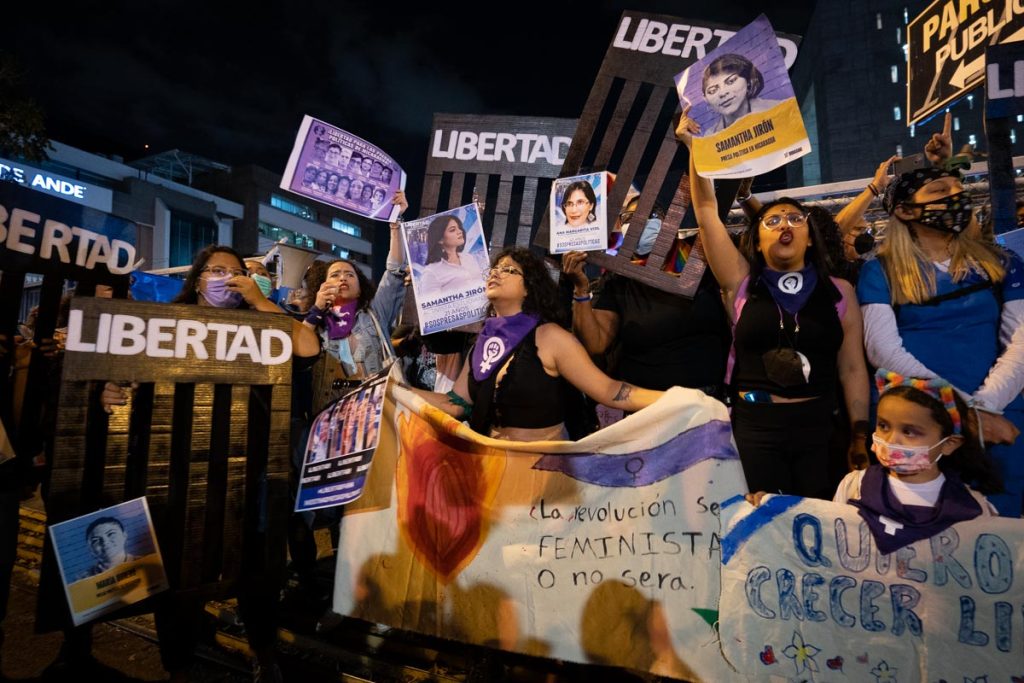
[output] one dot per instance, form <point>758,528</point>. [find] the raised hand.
<point>940,146</point>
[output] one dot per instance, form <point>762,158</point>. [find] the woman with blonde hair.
<point>940,303</point>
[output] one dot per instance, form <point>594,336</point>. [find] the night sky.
<point>232,82</point>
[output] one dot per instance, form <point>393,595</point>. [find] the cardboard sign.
<point>603,550</point>
<point>807,595</point>
<point>579,220</point>
<point>335,167</point>
<point>742,99</point>
<point>447,256</point>
<point>340,448</point>
<point>108,559</point>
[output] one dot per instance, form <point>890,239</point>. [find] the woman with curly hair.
<point>523,361</point>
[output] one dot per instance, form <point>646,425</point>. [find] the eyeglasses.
<point>502,272</point>
<point>221,271</point>
<point>577,204</point>
<point>774,222</point>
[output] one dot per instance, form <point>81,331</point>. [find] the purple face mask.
<point>217,293</point>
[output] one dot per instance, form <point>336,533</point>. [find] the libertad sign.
<point>946,49</point>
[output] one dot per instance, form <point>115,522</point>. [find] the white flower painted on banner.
<point>883,673</point>
<point>802,654</point>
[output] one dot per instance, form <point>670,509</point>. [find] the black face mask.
<point>949,214</point>
<point>863,243</point>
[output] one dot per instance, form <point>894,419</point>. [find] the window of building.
<point>189,234</point>
<point>339,252</point>
<point>894,73</point>
<point>906,50</point>
<point>347,228</point>
<point>956,123</point>
<point>906,16</point>
<point>1013,135</point>
<point>273,232</point>
<point>878,21</point>
<point>899,150</point>
<point>970,101</point>
<point>912,130</point>
<point>294,208</point>
<point>1020,118</point>
<point>972,140</point>
<point>896,113</point>
<point>899,35</point>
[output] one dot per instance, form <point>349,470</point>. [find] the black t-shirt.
<point>665,339</point>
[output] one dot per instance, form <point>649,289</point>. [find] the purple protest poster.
<point>338,168</point>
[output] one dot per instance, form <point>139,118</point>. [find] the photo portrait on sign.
<point>741,97</point>
<point>579,219</point>
<point>448,256</point>
<point>108,558</point>
<point>338,168</point>
<point>351,431</point>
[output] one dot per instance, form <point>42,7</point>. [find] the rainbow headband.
<point>938,388</point>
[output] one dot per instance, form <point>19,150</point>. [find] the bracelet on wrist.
<point>581,299</point>
<point>873,189</point>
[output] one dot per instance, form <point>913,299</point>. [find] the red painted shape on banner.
<point>446,488</point>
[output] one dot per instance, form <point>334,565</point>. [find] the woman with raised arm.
<point>796,330</point>
<point>523,361</point>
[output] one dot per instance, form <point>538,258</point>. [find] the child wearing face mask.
<point>926,452</point>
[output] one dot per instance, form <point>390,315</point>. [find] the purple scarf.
<point>340,319</point>
<point>895,525</point>
<point>498,339</point>
<point>791,290</point>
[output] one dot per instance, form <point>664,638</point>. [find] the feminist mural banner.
<point>338,168</point>
<point>603,550</point>
<point>806,595</point>
<point>742,98</point>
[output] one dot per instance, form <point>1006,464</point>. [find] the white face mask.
<point>647,238</point>
<point>904,459</point>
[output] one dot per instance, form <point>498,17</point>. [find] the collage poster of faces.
<point>108,559</point>
<point>335,167</point>
<point>579,219</point>
<point>448,256</point>
<point>340,448</point>
<point>741,97</point>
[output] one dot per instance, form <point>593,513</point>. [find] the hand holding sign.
<point>940,146</point>
<point>687,127</point>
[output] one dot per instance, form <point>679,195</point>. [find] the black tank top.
<point>819,339</point>
<point>527,397</point>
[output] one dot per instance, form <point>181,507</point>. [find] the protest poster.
<point>447,256</point>
<point>579,213</point>
<point>339,451</point>
<point>335,167</point>
<point>603,550</point>
<point>741,97</point>
<point>108,559</point>
<point>806,595</point>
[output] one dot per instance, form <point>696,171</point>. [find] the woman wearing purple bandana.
<point>524,362</point>
<point>796,331</point>
<point>939,301</point>
<point>354,318</point>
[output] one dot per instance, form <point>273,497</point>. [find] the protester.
<point>523,362</point>
<point>796,331</point>
<point>260,275</point>
<point>660,339</point>
<point>354,318</point>
<point>941,303</point>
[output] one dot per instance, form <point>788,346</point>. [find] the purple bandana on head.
<point>894,525</point>
<point>791,290</point>
<point>498,338</point>
<point>340,319</point>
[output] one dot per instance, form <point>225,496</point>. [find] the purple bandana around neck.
<point>340,319</point>
<point>894,525</point>
<point>499,337</point>
<point>791,290</point>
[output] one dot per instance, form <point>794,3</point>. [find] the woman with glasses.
<point>795,332</point>
<point>523,362</point>
<point>578,203</point>
<point>448,268</point>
